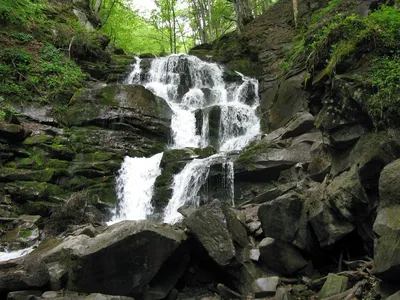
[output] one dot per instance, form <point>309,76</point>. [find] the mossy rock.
<point>9,175</point>
<point>100,105</point>
<point>12,132</point>
<point>20,237</point>
<point>22,191</point>
<point>41,208</point>
<point>102,195</point>
<point>39,139</point>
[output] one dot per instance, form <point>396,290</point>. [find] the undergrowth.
<point>329,41</point>
<point>39,43</point>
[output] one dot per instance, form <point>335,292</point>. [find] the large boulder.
<point>329,227</point>
<point>285,219</point>
<point>281,257</point>
<point>387,225</point>
<point>23,273</point>
<point>387,249</point>
<point>126,259</point>
<point>121,105</point>
<point>341,206</point>
<point>284,100</point>
<point>264,161</point>
<point>217,228</point>
<point>389,183</point>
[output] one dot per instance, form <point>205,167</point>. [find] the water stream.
<point>194,90</point>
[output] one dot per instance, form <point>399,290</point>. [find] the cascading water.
<point>135,183</point>
<point>195,90</point>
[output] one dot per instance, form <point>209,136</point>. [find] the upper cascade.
<point>195,90</point>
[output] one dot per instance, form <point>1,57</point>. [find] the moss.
<point>41,208</point>
<point>108,96</point>
<point>22,191</point>
<point>25,233</point>
<point>45,175</point>
<point>249,155</point>
<point>98,156</point>
<point>57,164</point>
<point>39,139</point>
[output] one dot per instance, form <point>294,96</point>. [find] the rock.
<point>253,226</point>
<point>347,195</point>
<point>121,105</point>
<point>346,136</point>
<point>22,236</point>
<point>265,286</point>
<point>389,182</point>
<point>334,284</point>
<point>254,254</point>
<point>395,296</point>
<point>214,119</point>
<point>387,249</point>
<point>126,259</point>
<point>58,275</point>
<point>371,153</point>
<point>272,193</point>
<point>12,132</point>
<point>217,228</point>
<point>321,161</point>
<point>42,114</point>
<point>264,162</point>
<point>227,293</point>
<point>97,296</point>
<point>280,256</point>
<point>24,295</point>
<point>283,101</point>
<point>345,206</point>
<point>328,227</point>
<point>284,219</point>
<point>283,293</point>
<point>301,123</point>
<point>23,273</point>
<point>384,290</point>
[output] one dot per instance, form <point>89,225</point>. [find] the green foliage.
<point>20,12</point>
<point>384,106</point>
<point>41,74</point>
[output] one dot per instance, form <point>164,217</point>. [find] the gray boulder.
<point>122,260</point>
<point>281,257</point>
<point>285,219</point>
<point>216,227</point>
<point>23,273</point>
<point>389,183</point>
<point>387,249</point>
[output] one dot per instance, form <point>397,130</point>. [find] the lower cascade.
<point>207,111</point>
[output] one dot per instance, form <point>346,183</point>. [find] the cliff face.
<point>330,117</point>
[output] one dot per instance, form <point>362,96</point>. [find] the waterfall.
<point>195,90</point>
<point>134,75</point>
<point>135,183</point>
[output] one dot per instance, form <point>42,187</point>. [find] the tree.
<point>243,12</point>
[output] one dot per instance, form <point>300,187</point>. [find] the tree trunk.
<point>295,12</point>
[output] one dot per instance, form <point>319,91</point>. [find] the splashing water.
<point>135,187</point>
<point>192,88</point>
<point>134,75</point>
